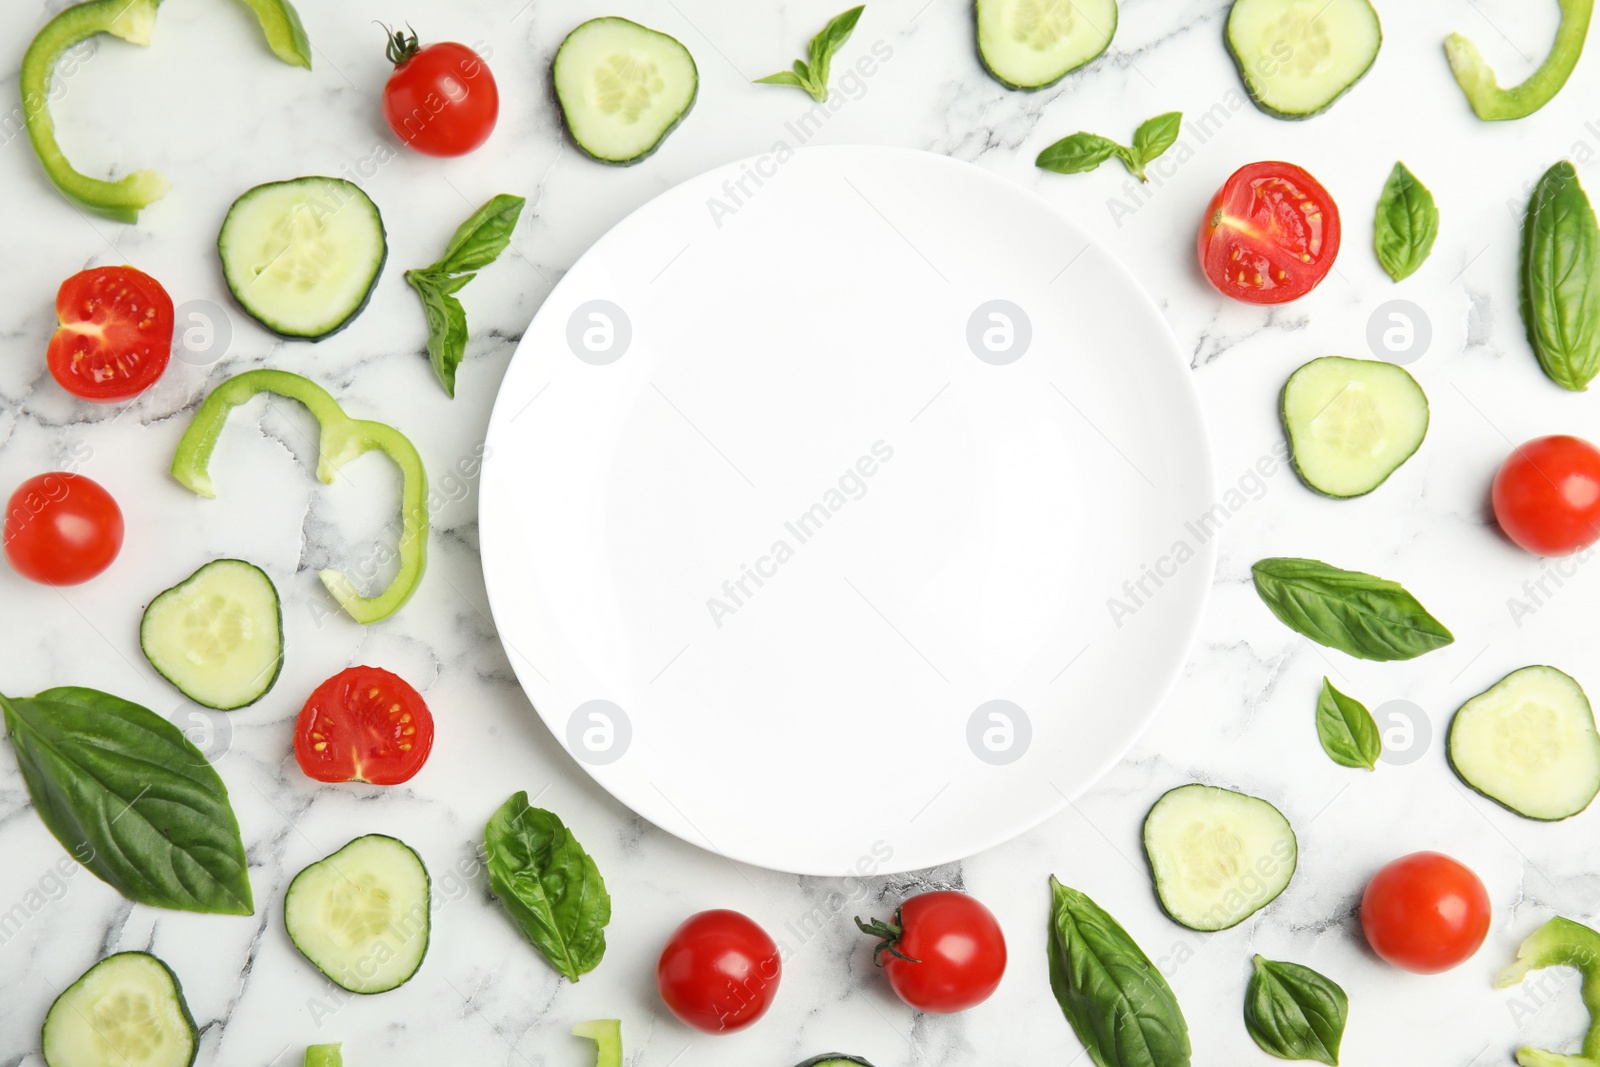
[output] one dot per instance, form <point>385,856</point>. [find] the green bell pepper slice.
<point>133,21</point>
<point>342,439</point>
<point>1561,943</point>
<point>324,1056</point>
<point>607,1037</point>
<point>1492,103</point>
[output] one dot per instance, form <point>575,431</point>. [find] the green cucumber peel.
<point>607,1037</point>
<point>133,21</point>
<point>1489,101</point>
<point>341,440</point>
<point>1561,943</point>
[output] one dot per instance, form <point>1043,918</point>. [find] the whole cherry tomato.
<point>942,952</point>
<point>719,972</point>
<point>440,100</point>
<point>62,529</point>
<point>1547,495</point>
<point>1425,913</point>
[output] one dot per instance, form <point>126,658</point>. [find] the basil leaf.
<point>1407,224</point>
<point>1358,614</point>
<point>132,799</point>
<point>1560,287</point>
<point>447,322</point>
<point>549,886</point>
<point>1155,136</point>
<point>1077,154</point>
<point>1117,1002</point>
<point>1346,729</point>
<point>800,77</point>
<point>1294,1013</point>
<point>479,241</point>
<point>825,44</point>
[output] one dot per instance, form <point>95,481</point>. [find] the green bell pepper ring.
<point>1492,103</point>
<point>607,1037</point>
<point>324,1056</point>
<point>342,439</point>
<point>133,21</point>
<point>1561,943</point>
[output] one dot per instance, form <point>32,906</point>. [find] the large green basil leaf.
<point>1346,729</point>
<point>1407,224</point>
<point>549,886</point>
<point>1561,279</point>
<point>479,241</point>
<point>1356,613</point>
<point>131,798</point>
<point>1117,1002</point>
<point>1294,1013</point>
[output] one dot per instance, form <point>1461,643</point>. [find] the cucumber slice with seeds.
<point>303,256</point>
<point>1217,857</point>
<point>1032,44</point>
<point>1352,422</point>
<point>1298,56</point>
<point>361,915</point>
<point>217,635</point>
<point>1529,744</point>
<point>623,87</point>
<point>836,1059</point>
<point>125,1011</point>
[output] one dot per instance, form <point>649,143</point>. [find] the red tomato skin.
<point>443,101</point>
<point>62,529</point>
<point>1547,495</point>
<point>115,315</point>
<point>719,972</point>
<point>961,948</point>
<point>1425,913</point>
<point>363,740</point>
<point>1227,225</point>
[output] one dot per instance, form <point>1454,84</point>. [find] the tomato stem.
<point>400,47</point>
<point>889,935</point>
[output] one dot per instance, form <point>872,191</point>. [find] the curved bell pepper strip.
<point>1492,103</point>
<point>607,1037</point>
<point>342,439</point>
<point>133,21</point>
<point>324,1056</point>
<point>1561,943</point>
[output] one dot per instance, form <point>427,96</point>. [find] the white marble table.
<point>211,108</point>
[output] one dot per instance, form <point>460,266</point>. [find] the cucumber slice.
<point>361,915</point>
<point>217,635</point>
<point>1032,44</point>
<point>1352,422</point>
<point>303,256</point>
<point>623,87</point>
<point>126,1011</point>
<point>1298,56</point>
<point>1528,743</point>
<point>836,1059</point>
<point>1217,857</point>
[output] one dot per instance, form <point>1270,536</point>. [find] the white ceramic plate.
<point>809,462</point>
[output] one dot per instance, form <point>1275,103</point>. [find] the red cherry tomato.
<point>62,529</point>
<point>719,972</point>
<point>440,100</point>
<point>942,952</point>
<point>363,725</point>
<point>115,336</point>
<point>1270,234</point>
<point>1425,913</point>
<point>1547,495</point>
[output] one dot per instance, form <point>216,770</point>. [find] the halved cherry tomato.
<point>440,100</point>
<point>719,972</point>
<point>1547,495</point>
<point>115,336</point>
<point>1425,913</point>
<point>1270,234</point>
<point>62,529</point>
<point>363,725</point>
<point>942,952</point>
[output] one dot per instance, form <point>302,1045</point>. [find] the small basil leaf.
<point>786,77</point>
<point>479,241</point>
<point>1116,1000</point>
<point>1561,279</point>
<point>1346,729</point>
<point>826,43</point>
<point>1358,614</point>
<point>549,886</point>
<point>1155,136</point>
<point>1294,1013</point>
<point>447,322</point>
<point>1407,224</point>
<point>1078,153</point>
<point>131,799</point>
